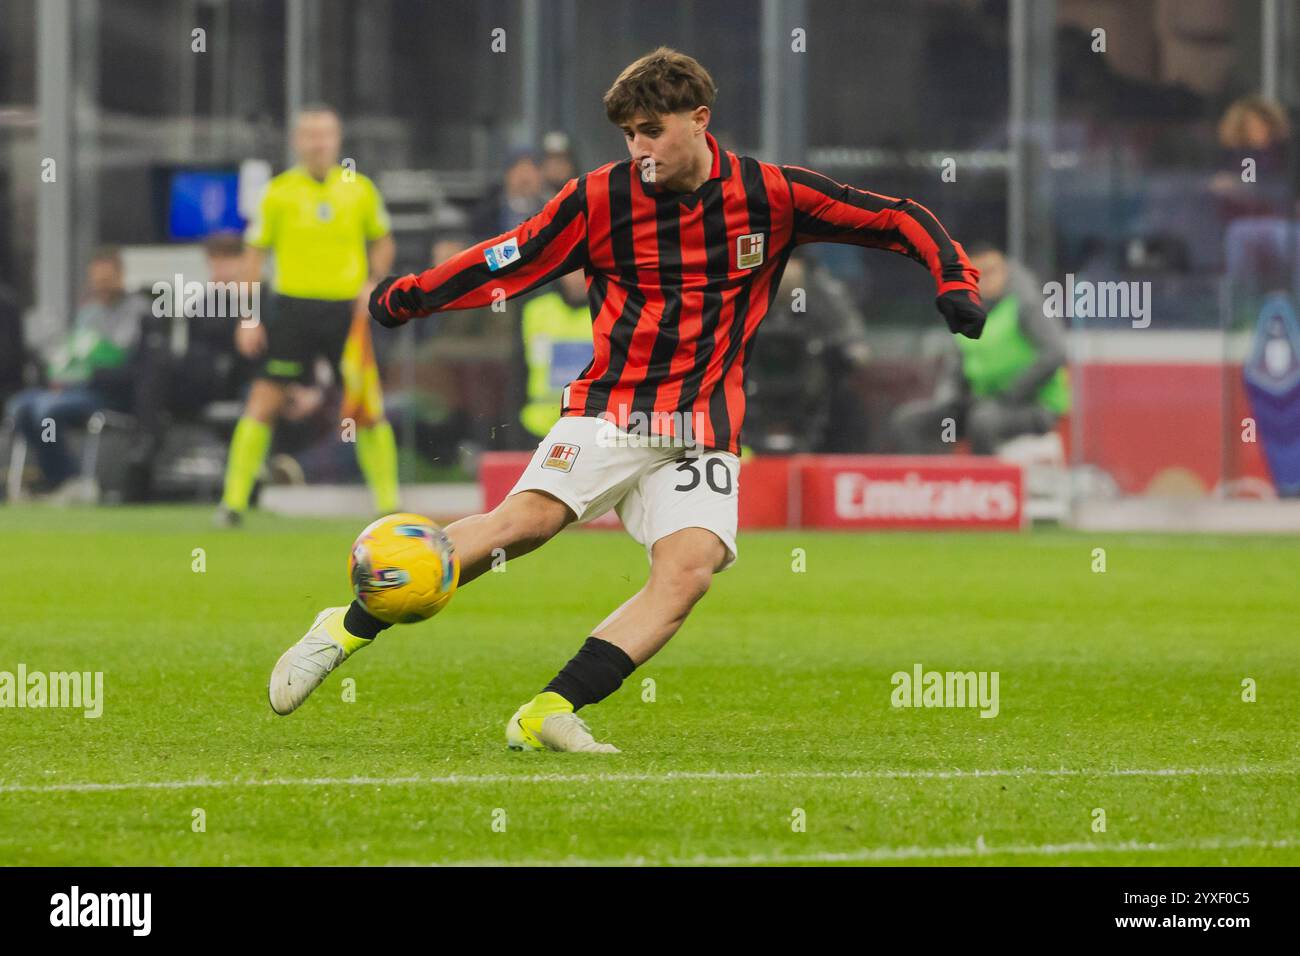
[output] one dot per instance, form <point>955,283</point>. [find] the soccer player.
<point>328,230</point>
<point>683,245</point>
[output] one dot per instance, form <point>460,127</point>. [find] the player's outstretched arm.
<point>540,249</point>
<point>827,211</point>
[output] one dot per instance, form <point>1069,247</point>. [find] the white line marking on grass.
<point>666,777</point>
<point>889,854</point>
<point>983,849</point>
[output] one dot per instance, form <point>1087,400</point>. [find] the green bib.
<point>997,358</point>
<point>85,350</point>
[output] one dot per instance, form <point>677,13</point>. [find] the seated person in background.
<point>179,365</point>
<point>85,372</point>
<point>1011,381</point>
<point>802,395</point>
<point>210,368</point>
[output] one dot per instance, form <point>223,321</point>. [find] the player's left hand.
<point>399,305</point>
<point>963,314</point>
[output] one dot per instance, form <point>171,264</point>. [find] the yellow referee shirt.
<point>318,232</point>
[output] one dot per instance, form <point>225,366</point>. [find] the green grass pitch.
<point>1119,691</point>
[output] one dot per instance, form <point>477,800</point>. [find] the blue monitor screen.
<point>201,203</point>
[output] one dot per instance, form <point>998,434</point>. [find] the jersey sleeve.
<point>827,211</point>
<point>545,247</point>
<point>376,222</point>
<point>260,232</point>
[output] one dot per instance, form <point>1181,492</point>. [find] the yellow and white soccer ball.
<point>403,568</point>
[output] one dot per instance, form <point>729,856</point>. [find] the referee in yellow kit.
<point>329,233</point>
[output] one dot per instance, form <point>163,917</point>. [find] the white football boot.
<point>547,722</point>
<point>302,668</point>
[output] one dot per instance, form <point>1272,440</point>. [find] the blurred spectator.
<point>1011,381</point>
<point>557,346</point>
<point>209,368</point>
<point>801,394</point>
<point>1257,189</point>
<point>86,372</point>
<point>1255,128</point>
<point>519,196</point>
<point>181,364</point>
<point>1253,123</point>
<point>558,163</point>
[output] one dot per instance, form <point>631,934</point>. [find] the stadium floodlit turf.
<point>770,737</point>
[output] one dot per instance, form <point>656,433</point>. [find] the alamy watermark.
<point>1085,299</point>
<point>922,688</point>
<point>638,429</point>
<point>75,908</point>
<point>208,300</point>
<point>83,690</point>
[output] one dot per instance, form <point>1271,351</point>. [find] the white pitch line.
<point>667,777</point>
<point>887,854</point>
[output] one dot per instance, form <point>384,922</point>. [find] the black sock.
<point>595,672</point>
<point>361,623</point>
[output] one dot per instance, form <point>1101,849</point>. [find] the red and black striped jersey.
<point>678,283</point>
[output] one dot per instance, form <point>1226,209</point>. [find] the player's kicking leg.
<point>682,569</point>
<point>519,524</point>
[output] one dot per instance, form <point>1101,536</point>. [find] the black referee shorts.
<point>300,330</point>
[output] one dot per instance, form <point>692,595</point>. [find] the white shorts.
<point>592,466</point>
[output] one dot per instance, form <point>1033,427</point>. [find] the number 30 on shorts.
<point>715,473</point>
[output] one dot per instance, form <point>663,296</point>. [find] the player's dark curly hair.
<point>663,81</point>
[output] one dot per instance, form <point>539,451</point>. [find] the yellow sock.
<point>248,447</point>
<point>377,456</point>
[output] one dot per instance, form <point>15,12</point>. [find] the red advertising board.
<point>887,491</point>
<point>765,492</point>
